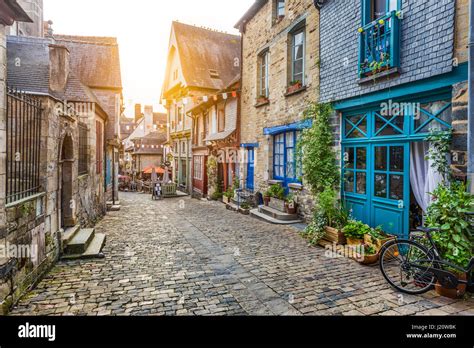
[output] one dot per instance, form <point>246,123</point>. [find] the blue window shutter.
<point>366,9</point>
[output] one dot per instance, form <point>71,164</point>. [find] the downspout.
<point>470,134</point>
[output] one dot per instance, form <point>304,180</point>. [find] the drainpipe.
<point>470,137</point>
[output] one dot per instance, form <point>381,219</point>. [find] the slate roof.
<point>95,60</point>
<point>251,12</point>
<point>28,70</point>
<point>154,138</point>
<point>202,50</point>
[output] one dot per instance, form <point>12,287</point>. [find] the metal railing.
<point>24,116</point>
<point>379,45</point>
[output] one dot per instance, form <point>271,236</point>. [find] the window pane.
<point>361,158</point>
<point>349,181</point>
<point>389,129</point>
<point>380,8</point>
<point>393,5</point>
<point>298,39</point>
<point>297,69</point>
<point>361,184</point>
<point>397,158</point>
<point>381,185</point>
<point>349,157</point>
<point>289,139</point>
<point>396,187</point>
<point>381,158</point>
<point>298,52</point>
<point>356,132</point>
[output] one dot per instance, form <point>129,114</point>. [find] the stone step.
<point>94,251</point>
<point>69,234</point>
<point>115,208</point>
<point>80,242</point>
<point>276,214</point>
<point>257,214</point>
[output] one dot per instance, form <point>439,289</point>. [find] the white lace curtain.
<point>424,179</point>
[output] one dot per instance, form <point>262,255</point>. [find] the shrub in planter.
<point>228,195</point>
<point>315,231</point>
<point>245,208</point>
<point>368,256</point>
<point>355,231</point>
<point>377,237</point>
<point>448,212</point>
<point>277,194</point>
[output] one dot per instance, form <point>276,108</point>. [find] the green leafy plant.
<point>295,82</point>
<point>440,146</point>
<point>449,213</point>
<point>229,193</point>
<point>316,230</point>
<point>356,230</point>
<point>316,152</point>
<point>327,202</point>
<point>245,206</point>
<point>217,196</point>
<point>275,191</point>
<point>369,249</point>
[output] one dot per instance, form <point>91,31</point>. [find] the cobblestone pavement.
<point>188,257</point>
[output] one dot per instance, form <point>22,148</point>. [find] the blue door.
<point>250,169</point>
<point>390,193</point>
<point>376,184</point>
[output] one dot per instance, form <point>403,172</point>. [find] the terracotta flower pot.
<point>266,200</point>
<point>456,293</point>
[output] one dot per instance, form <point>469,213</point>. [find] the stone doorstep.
<point>80,242</point>
<point>257,214</point>
<point>93,251</point>
<point>69,234</point>
<point>115,208</point>
<point>277,214</point>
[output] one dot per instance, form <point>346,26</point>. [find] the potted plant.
<point>336,215</point>
<point>267,197</point>
<point>448,212</point>
<point>245,208</point>
<point>295,86</point>
<point>228,195</point>
<point>277,194</point>
<point>368,254</point>
<point>290,204</point>
<point>377,237</point>
<point>355,231</point>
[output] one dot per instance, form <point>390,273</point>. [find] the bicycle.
<point>413,268</point>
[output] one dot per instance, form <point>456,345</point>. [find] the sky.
<point>143,29</point>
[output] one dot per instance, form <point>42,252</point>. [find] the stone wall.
<point>3,135</point>
<point>36,221</point>
<point>263,33</point>
<point>427,43</point>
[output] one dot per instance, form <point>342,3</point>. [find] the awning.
<point>149,170</point>
<point>288,128</point>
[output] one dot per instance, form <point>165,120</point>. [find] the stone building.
<point>96,61</point>
<point>10,11</point>
<point>280,77</point>
<point>200,63</point>
<point>389,92</point>
<point>55,174</point>
<point>215,142</point>
<point>148,152</point>
<point>34,9</point>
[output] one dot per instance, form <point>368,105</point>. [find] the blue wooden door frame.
<point>250,184</point>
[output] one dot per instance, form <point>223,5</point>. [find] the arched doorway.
<point>67,206</point>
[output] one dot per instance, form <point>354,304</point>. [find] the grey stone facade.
<point>427,45</point>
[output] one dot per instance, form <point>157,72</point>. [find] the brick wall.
<point>427,43</point>
<point>262,34</point>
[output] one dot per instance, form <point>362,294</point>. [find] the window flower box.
<point>277,204</point>
<point>294,86</point>
<point>261,100</point>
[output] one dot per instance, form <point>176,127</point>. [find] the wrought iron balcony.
<point>379,45</point>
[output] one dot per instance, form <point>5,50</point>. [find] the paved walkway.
<point>188,257</point>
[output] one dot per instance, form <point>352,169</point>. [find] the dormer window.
<point>214,74</point>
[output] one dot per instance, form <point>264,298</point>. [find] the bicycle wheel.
<point>397,260</point>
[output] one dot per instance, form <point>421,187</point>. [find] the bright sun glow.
<point>142,28</point>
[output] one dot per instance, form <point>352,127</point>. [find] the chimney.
<point>48,29</point>
<point>138,112</point>
<point>58,67</point>
<point>148,118</point>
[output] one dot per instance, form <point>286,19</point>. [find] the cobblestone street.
<point>188,257</point>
